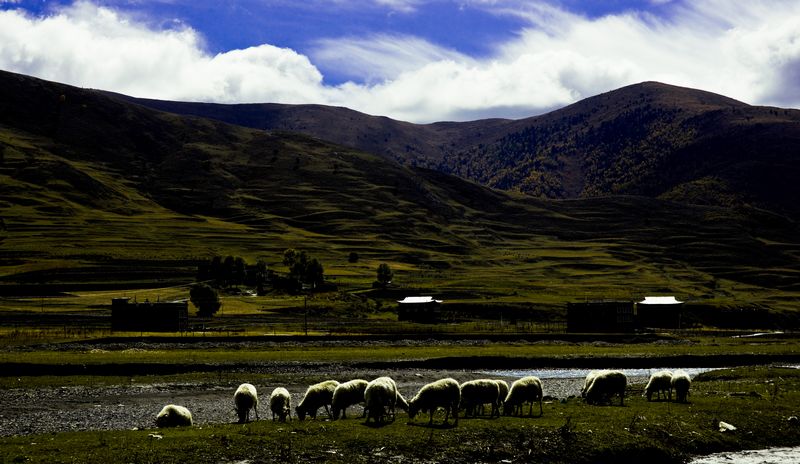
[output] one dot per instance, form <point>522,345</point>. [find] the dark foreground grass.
<point>758,401</point>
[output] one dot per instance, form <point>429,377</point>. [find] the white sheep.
<point>347,394</point>
<point>588,381</point>
<point>525,390</point>
<point>380,399</point>
<point>401,402</point>
<point>605,385</point>
<point>660,381</point>
<point>244,399</point>
<point>503,386</point>
<point>476,393</point>
<point>173,415</point>
<point>317,395</point>
<point>444,393</point>
<point>681,382</point>
<point>280,403</point>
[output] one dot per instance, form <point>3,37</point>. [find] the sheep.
<point>588,381</point>
<point>476,393</point>
<point>605,385</point>
<point>173,415</point>
<point>244,399</point>
<point>347,394</point>
<point>659,382</point>
<point>380,394</point>
<point>280,403</point>
<point>444,393</point>
<point>681,382</point>
<point>401,402</point>
<point>503,386</point>
<point>525,390</point>
<point>317,395</point>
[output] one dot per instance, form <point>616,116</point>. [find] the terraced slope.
<point>96,192</point>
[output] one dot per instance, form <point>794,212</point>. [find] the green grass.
<point>568,432</point>
<point>92,210</point>
<point>700,347</point>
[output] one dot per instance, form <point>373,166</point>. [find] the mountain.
<point>97,191</point>
<point>647,139</point>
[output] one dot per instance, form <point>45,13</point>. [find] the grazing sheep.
<point>347,394</point>
<point>525,390</point>
<point>605,385</point>
<point>245,399</point>
<point>173,416</point>
<point>444,393</point>
<point>476,393</point>
<point>681,382</point>
<point>379,395</point>
<point>401,402</point>
<point>503,386</point>
<point>317,395</point>
<point>588,381</point>
<point>280,403</point>
<point>660,381</point>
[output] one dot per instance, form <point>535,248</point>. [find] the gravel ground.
<point>60,409</point>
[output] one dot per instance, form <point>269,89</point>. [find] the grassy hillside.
<point>647,139</point>
<point>96,192</point>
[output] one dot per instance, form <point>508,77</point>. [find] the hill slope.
<point>97,191</point>
<point>647,139</point>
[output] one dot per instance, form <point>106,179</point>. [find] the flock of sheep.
<point>381,398</point>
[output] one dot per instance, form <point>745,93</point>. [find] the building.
<point>603,316</point>
<point>127,316</point>
<point>419,309</point>
<point>663,312</point>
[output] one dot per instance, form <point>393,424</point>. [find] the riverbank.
<point>757,400</point>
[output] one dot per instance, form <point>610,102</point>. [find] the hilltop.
<point>100,192</point>
<point>649,139</point>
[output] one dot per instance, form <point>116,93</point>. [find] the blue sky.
<point>417,60</point>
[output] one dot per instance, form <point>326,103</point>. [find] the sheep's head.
<point>413,409</point>
<point>301,413</point>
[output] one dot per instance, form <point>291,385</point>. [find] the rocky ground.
<point>78,408</point>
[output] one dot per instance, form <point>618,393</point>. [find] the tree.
<point>303,269</point>
<point>314,273</point>
<point>205,299</point>
<point>228,270</point>
<point>261,277</point>
<point>385,274</point>
<point>217,271</point>
<point>239,270</point>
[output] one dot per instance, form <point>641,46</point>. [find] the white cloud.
<point>381,56</point>
<point>96,47</point>
<point>404,6</point>
<point>749,51</point>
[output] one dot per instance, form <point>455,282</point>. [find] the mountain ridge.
<point>96,192</point>
<point>649,139</point>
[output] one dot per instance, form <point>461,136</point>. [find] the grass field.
<point>83,214</point>
<point>758,401</point>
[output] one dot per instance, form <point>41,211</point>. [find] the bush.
<point>205,299</point>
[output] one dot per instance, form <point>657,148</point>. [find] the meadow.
<point>758,401</point>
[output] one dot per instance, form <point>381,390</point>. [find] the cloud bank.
<point>745,50</point>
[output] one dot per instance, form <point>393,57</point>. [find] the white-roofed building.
<point>660,311</point>
<point>419,309</point>
<point>660,300</point>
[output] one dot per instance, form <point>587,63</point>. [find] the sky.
<point>413,60</point>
